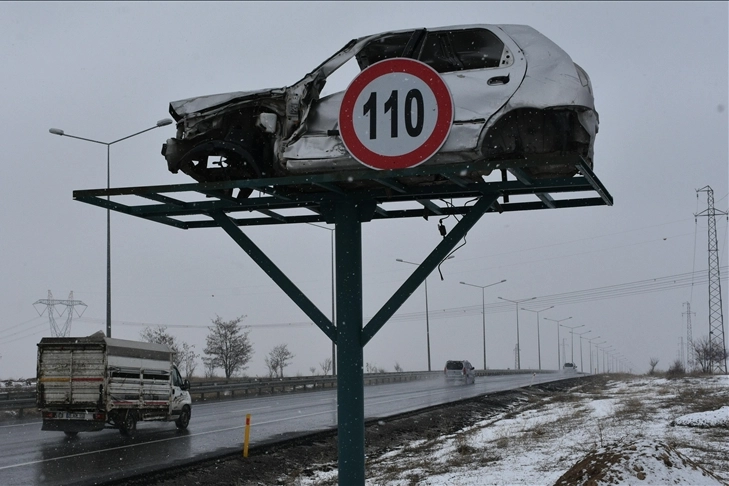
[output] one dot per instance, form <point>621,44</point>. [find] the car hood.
<point>180,109</point>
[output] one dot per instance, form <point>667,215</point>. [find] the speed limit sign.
<point>395,114</point>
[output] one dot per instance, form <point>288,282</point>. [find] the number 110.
<point>391,106</point>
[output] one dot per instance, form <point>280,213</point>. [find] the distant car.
<point>569,367</point>
<point>516,95</point>
<point>459,372</point>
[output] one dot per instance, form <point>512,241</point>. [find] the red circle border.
<point>426,150</point>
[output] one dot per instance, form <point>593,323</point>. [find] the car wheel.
<point>184,418</point>
<point>128,425</point>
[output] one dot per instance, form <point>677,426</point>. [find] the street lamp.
<point>558,321</point>
<point>582,368</point>
<point>334,346</point>
<point>518,348</point>
<point>483,313</point>
<point>572,336</point>
<point>427,321</point>
<point>597,355</point>
<point>57,131</point>
<point>589,349</point>
<point>539,346</point>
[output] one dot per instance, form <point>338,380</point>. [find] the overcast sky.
<point>104,70</point>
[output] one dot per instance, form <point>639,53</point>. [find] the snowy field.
<point>634,430</point>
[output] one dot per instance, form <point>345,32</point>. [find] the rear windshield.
<point>454,365</point>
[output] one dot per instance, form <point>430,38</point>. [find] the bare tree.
<point>705,355</point>
<point>326,365</point>
<point>189,359</point>
<point>272,366</point>
<point>398,368</point>
<point>312,370</point>
<point>209,367</point>
<point>372,368</point>
<point>160,335</point>
<point>278,359</point>
<point>228,346</point>
<point>653,363</point>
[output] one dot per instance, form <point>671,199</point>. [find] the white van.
<point>460,371</point>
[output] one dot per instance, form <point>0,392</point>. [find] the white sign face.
<point>395,114</point>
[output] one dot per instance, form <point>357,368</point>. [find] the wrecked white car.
<point>516,95</point>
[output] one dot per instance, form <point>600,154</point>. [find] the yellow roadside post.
<point>247,435</point>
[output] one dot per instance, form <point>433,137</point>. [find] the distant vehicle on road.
<point>516,96</point>
<point>569,368</point>
<point>459,372</point>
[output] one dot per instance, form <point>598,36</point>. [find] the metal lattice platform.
<point>187,206</point>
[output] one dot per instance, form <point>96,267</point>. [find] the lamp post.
<point>427,321</point>
<point>334,346</point>
<point>518,348</point>
<point>483,312</point>
<point>539,346</point>
<point>589,348</point>
<point>604,361</point>
<point>597,355</point>
<point>558,321</point>
<point>57,131</point>
<point>582,368</point>
<point>572,336</point>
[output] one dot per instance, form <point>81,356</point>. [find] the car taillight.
<point>49,415</point>
<point>464,371</point>
<point>99,416</point>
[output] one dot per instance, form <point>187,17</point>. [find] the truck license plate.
<point>74,415</point>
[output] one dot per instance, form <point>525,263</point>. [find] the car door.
<point>179,397</point>
<point>481,65</point>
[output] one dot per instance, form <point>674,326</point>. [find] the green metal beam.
<point>350,378</point>
<point>429,264</point>
<point>276,275</point>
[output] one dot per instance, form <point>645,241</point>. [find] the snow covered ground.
<point>634,430</point>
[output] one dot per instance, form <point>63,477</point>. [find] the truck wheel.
<point>184,418</point>
<point>128,426</point>
<point>70,434</point>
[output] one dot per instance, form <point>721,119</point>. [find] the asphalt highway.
<point>29,456</point>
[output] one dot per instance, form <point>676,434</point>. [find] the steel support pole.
<point>483,324</point>
<point>427,322</point>
<point>108,245</point>
<point>350,385</point>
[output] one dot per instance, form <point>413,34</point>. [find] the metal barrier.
<point>220,389</point>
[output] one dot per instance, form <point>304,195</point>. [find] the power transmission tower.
<point>717,343</point>
<point>680,351</point>
<point>689,338</point>
<point>51,304</point>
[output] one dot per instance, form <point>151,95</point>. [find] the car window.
<point>176,378</point>
<point>459,50</point>
<point>454,365</point>
<point>385,47</point>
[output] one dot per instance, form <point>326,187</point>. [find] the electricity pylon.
<point>51,304</point>
<point>689,338</point>
<point>717,342</point>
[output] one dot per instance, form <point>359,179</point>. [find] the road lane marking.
<point>81,454</point>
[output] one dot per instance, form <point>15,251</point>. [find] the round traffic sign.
<point>395,114</point>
